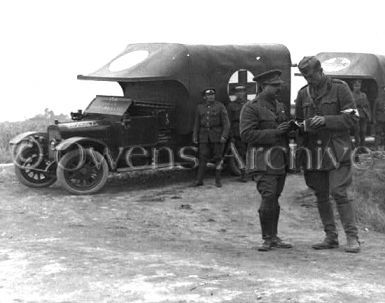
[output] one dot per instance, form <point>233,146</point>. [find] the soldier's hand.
<point>317,121</point>
<point>283,127</point>
<point>195,140</point>
<point>223,140</point>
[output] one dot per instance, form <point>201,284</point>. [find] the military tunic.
<point>211,124</point>
<point>329,100</point>
<point>259,120</point>
<point>361,126</point>
<point>234,111</point>
<point>363,106</point>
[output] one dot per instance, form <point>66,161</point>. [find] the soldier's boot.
<point>327,217</point>
<point>348,221</point>
<point>266,219</point>
<point>200,175</point>
<point>243,177</point>
<point>218,182</point>
<point>277,241</point>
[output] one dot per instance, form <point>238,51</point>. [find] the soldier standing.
<point>379,121</point>
<point>234,111</point>
<point>363,107</point>
<point>327,108</point>
<point>264,127</point>
<point>211,129</point>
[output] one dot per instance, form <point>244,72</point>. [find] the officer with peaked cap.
<point>211,129</point>
<point>234,111</point>
<point>327,108</point>
<point>264,126</point>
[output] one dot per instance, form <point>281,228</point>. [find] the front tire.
<point>82,172</point>
<point>31,166</point>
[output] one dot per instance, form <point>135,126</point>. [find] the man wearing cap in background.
<point>264,127</point>
<point>234,111</point>
<point>379,120</point>
<point>327,108</point>
<point>363,107</point>
<point>211,129</point>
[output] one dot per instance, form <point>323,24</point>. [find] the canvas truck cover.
<point>177,73</point>
<point>356,66</point>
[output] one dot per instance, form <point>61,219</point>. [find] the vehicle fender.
<point>20,137</point>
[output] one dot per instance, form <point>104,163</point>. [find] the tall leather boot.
<point>218,182</point>
<point>327,217</point>
<point>200,175</point>
<point>277,241</point>
<point>267,222</point>
<point>348,221</point>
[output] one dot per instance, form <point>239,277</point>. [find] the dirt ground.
<point>154,242</point>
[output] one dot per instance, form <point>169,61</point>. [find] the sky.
<point>45,44</point>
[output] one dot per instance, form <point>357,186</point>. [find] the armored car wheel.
<point>31,167</point>
<point>82,172</point>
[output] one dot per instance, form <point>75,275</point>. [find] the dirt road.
<point>173,244</point>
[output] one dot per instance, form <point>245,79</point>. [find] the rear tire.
<point>82,175</point>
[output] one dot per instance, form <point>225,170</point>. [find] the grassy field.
<point>10,129</point>
<point>368,192</point>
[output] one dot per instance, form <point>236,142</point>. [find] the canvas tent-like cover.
<point>177,73</point>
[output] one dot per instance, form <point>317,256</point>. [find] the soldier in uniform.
<point>327,108</point>
<point>363,107</point>
<point>234,111</point>
<point>264,127</point>
<point>379,121</point>
<point>211,129</point>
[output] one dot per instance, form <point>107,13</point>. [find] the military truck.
<point>150,125</point>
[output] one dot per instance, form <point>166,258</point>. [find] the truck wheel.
<point>31,168</point>
<point>82,173</point>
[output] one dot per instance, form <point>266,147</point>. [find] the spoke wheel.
<point>31,168</point>
<point>82,173</point>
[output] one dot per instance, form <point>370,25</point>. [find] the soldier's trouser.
<point>209,151</point>
<point>360,131</point>
<point>334,182</point>
<point>380,133</point>
<point>270,187</point>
